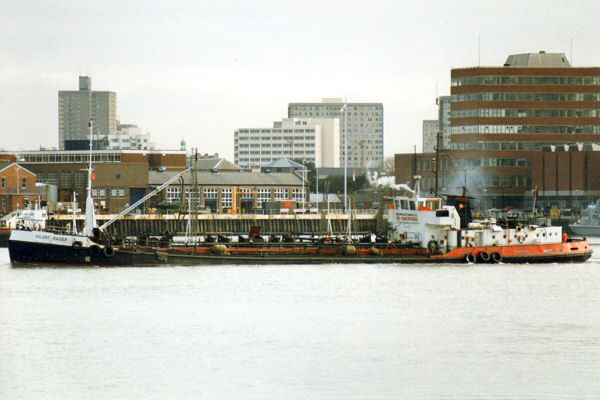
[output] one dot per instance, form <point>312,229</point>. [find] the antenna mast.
<point>90,214</point>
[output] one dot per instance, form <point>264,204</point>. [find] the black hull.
<point>4,235</point>
<point>25,253</point>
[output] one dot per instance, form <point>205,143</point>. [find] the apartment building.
<point>311,139</point>
<point>364,124</point>
<point>77,107</point>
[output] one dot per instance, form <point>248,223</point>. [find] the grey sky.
<point>199,69</point>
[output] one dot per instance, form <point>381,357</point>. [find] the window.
<point>226,198</point>
<point>66,179</point>
<point>79,180</point>
<point>297,195</point>
<point>23,183</point>
<point>3,183</point>
<point>99,193</point>
<point>173,195</point>
<point>264,195</point>
<point>246,193</point>
<point>192,195</point>
<point>280,194</point>
<point>211,193</point>
<point>117,192</point>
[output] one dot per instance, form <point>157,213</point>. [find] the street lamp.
<point>317,185</point>
<point>303,189</point>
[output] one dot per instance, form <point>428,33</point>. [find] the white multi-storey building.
<point>430,130</point>
<point>76,107</point>
<point>444,117</point>
<point>311,139</point>
<point>365,128</point>
<point>129,137</point>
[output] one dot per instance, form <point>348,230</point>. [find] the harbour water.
<point>301,332</point>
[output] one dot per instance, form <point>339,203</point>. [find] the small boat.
<point>23,219</point>
<point>589,224</point>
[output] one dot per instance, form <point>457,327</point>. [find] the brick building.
<point>229,191</point>
<point>533,123</point>
<point>121,177</point>
<point>17,187</point>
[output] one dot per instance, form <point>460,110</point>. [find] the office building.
<point>129,137</point>
<point>76,107</point>
<point>364,124</point>
<point>531,124</point>
<point>430,135</point>
<point>311,139</point>
<point>444,116</point>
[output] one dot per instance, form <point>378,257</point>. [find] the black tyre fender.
<point>484,256</point>
<point>95,250</point>
<point>77,245</point>
<point>470,258</point>
<point>108,251</point>
<point>496,257</point>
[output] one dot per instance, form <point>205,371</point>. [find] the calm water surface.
<point>301,332</point>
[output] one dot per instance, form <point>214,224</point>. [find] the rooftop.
<point>284,163</point>
<point>538,60</point>
<point>230,178</point>
<point>217,164</point>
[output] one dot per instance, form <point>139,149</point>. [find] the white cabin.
<point>428,224</point>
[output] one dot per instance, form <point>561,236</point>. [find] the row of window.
<point>100,193</point>
<point>273,138</point>
<point>274,131</point>
<point>70,158</point>
<point>485,129</point>
<point>521,146</point>
<point>426,165</point>
<point>525,80</point>
<point>173,195</point>
<point>295,153</point>
<point>279,145</point>
<point>485,181</point>
<point>4,183</point>
<point>338,114</point>
<point>525,113</point>
<point>374,109</point>
<point>490,162</point>
<point>488,96</point>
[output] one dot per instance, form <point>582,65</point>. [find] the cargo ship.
<point>420,230</point>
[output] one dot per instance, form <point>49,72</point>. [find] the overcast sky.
<point>199,69</point>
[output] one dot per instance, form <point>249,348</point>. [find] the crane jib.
<point>143,199</point>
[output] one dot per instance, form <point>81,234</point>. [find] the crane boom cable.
<point>143,199</point>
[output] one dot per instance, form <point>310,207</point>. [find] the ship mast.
<point>90,215</point>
